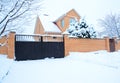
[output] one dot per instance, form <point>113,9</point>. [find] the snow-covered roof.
<point>48,25</point>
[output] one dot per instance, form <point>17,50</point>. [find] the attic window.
<point>72,20</point>
<point>62,23</point>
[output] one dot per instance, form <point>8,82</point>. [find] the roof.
<point>48,25</point>
<point>62,16</point>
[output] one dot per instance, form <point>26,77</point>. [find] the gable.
<point>63,21</point>
<point>38,27</point>
<point>73,14</point>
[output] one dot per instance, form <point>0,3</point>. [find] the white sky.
<point>92,10</point>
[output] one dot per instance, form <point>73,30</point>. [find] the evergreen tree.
<point>81,30</point>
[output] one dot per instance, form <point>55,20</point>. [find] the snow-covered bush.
<point>81,30</point>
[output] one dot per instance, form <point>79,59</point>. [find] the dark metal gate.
<point>38,47</point>
<point>112,45</point>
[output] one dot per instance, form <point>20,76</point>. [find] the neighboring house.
<point>46,27</point>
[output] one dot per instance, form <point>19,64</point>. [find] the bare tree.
<point>12,12</point>
<point>111,24</point>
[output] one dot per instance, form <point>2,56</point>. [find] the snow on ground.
<point>78,67</point>
<point>5,65</point>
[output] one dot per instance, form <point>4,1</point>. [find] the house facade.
<point>64,21</point>
<point>44,26</point>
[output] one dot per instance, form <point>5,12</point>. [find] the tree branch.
<point>4,27</point>
<point>19,14</point>
<point>9,13</point>
<point>18,9</point>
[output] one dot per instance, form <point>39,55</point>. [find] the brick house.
<point>46,27</point>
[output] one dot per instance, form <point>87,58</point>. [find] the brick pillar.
<point>107,44</point>
<point>3,49</point>
<point>66,45</point>
<point>115,41</point>
<point>11,45</point>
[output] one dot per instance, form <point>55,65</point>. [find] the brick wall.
<point>70,44</point>
<point>3,49</point>
<point>51,37</point>
<point>9,47</point>
<point>85,45</point>
<point>118,44</point>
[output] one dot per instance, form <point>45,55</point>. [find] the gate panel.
<point>53,49</point>
<point>27,48</point>
<point>112,45</point>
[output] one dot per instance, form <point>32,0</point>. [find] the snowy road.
<point>91,67</point>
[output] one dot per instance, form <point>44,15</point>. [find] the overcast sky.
<point>92,10</point>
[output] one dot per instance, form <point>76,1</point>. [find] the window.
<point>54,37</point>
<point>72,20</point>
<point>62,23</point>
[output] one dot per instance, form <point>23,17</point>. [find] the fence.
<point>3,47</point>
<point>86,45</point>
<point>118,44</point>
<point>8,45</point>
<point>70,44</point>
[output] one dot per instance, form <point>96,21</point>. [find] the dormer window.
<point>62,23</point>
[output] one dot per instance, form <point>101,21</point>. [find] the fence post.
<point>66,45</point>
<point>41,38</point>
<point>107,44</point>
<point>115,41</point>
<point>11,45</point>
